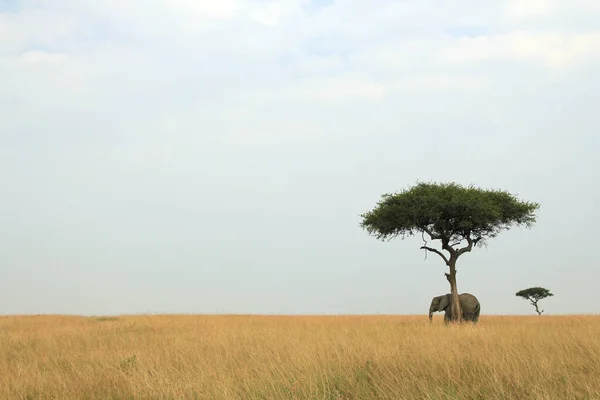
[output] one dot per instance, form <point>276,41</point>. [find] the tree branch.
<point>534,302</point>
<point>431,235</point>
<point>446,246</point>
<point>439,253</point>
<point>424,242</point>
<point>469,245</point>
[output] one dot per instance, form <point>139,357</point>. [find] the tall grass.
<point>280,357</point>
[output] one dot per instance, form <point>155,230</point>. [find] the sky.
<point>179,156</point>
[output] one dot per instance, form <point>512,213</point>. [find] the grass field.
<point>280,357</point>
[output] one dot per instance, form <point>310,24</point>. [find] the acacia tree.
<point>459,217</point>
<point>534,294</point>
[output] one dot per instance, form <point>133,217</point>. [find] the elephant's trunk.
<point>430,314</point>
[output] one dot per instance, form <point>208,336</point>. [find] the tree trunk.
<point>456,315</point>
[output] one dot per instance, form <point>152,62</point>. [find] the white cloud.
<point>34,27</point>
<point>126,59</point>
<point>223,9</point>
<point>192,52</point>
<point>34,57</point>
<point>273,13</point>
<point>559,9</point>
<point>555,50</point>
<point>433,82</point>
<point>339,88</point>
<point>526,8</point>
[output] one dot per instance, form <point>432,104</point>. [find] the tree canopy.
<point>534,295</point>
<point>447,211</point>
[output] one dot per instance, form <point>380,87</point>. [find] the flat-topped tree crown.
<point>534,295</point>
<point>450,213</point>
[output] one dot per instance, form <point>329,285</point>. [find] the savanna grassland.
<point>281,357</point>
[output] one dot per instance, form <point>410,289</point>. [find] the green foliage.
<point>447,211</point>
<point>534,293</point>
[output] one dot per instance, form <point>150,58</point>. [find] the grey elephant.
<point>469,304</point>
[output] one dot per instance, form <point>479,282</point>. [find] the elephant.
<point>469,304</point>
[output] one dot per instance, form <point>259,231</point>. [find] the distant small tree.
<point>459,217</point>
<point>534,294</point>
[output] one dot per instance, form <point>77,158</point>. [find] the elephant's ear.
<point>444,301</point>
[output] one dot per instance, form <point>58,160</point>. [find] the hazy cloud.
<point>202,156</point>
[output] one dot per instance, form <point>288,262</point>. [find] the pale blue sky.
<point>9,5</point>
<point>201,156</point>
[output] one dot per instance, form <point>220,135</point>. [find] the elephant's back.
<point>469,296</point>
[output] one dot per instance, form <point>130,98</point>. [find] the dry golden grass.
<point>262,357</point>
